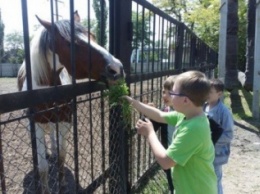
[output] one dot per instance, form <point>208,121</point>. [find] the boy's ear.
<point>186,99</point>
<point>220,93</point>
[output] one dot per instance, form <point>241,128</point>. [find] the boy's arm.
<point>160,152</point>
<point>227,124</point>
<point>149,111</point>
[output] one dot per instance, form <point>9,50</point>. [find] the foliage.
<point>141,32</point>
<point>202,16</point>
<point>115,93</point>
<point>205,20</point>
<point>90,24</point>
<point>175,8</point>
<point>15,56</point>
<point>101,16</point>
<point>14,41</point>
<point>14,50</point>
<point>242,15</point>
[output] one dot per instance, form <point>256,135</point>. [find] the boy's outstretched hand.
<point>128,98</point>
<point>144,127</point>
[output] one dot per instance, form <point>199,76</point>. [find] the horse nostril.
<point>115,74</point>
<point>110,71</point>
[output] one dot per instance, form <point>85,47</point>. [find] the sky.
<point>11,12</point>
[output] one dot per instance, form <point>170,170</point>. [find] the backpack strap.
<point>216,130</point>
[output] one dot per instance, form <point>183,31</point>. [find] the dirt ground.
<point>241,175</point>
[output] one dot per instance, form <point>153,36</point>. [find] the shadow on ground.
<point>29,187</point>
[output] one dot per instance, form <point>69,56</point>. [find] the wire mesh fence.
<point>88,147</point>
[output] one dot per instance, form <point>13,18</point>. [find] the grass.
<point>156,183</point>
<point>240,103</point>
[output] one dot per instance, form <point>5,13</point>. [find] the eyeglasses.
<point>175,94</point>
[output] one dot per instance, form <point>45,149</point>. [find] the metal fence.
<point>103,154</point>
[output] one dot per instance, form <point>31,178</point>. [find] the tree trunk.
<point>231,75</point>
<point>249,72</point>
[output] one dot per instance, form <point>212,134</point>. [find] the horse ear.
<point>46,24</point>
<point>76,16</point>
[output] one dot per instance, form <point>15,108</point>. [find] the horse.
<point>53,41</point>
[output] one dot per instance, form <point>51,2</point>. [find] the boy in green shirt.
<point>191,154</point>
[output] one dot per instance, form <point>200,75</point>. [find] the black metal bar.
<point>102,22</point>
<point>74,100</point>
<point>102,137</point>
<point>97,182</point>
<point>91,139</point>
<point>145,176</point>
<point>2,172</point>
<point>29,87</point>
<point>21,100</point>
<point>179,47</point>
<point>156,10</point>
<point>146,76</point>
<point>116,155</point>
<point>120,17</point>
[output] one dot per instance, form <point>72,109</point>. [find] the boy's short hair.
<point>169,82</point>
<point>195,85</point>
<point>217,84</point>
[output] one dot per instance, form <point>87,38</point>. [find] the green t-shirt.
<point>193,151</point>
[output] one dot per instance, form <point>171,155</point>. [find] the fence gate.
<point>103,154</point>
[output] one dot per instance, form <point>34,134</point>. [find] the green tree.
<point>175,8</point>
<point>202,16</point>
<point>101,13</point>
<point>90,24</point>
<point>141,29</point>
<point>205,21</point>
<point>14,49</point>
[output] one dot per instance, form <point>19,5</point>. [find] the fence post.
<point>2,177</point>
<point>179,46</point>
<point>120,27</point>
<point>193,51</point>
<point>117,177</point>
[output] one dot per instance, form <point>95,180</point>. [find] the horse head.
<point>91,60</point>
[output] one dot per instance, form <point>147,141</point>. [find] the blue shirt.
<point>222,115</point>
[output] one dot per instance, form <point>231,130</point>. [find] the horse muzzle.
<point>113,73</point>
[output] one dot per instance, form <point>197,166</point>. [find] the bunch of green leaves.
<point>115,93</point>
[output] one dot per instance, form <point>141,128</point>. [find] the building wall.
<point>9,69</point>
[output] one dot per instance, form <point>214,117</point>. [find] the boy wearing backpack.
<point>216,110</point>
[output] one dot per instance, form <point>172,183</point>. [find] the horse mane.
<point>21,75</point>
<point>41,68</point>
<point>64,28</point>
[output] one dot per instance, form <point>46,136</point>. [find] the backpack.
<point>216,130</point>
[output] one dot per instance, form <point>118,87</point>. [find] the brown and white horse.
<point>56,38</point>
